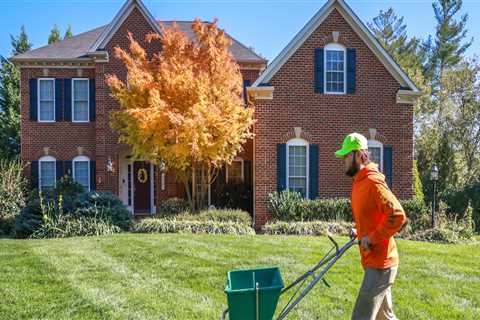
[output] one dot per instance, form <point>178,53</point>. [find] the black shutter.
<point>33,99</point>
<point>67,168</point>
<point>58,100</point>
<point>319,77</point>
<point>92,101</point>
<point>388,164</point>
<point>59,169</point>
<point>67,99</point>
<point>351,70</point>
<point>34,174</point>
<point>313,171</point>
<point>93,175</point>
<point>246,83</point>
<point>281,167</point>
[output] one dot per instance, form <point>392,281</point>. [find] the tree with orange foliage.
<point>183,107</point>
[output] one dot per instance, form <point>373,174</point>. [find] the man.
<point>378,216</point>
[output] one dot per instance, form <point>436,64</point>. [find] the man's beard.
<point>352,171</point>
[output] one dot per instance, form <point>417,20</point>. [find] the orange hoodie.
<point>378,215</point>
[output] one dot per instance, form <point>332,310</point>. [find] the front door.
<point>141,178</point>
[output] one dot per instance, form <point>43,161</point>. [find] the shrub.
<point>172,207</point>
<point>285,205</point>
<point>291,206</point>
<point>65,226</point>
<point>164,225</point>
<point>104,205</point>
<point>417,214</point>
<point>70,190</point>
<point>458,200</point>
<point>441,235</point>
<point>86,206</point>
<point>327,210</point>
<point>29,220</point>
<point>311,228</point>
<point>218,215</point>
<point>12,194</point>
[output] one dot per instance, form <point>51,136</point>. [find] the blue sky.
<point>266,25</point>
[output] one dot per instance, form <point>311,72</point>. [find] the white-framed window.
<point>335,68</point>
<point>81,171</point>
<point>80,100</point>
<point>235,170</point>
<point>47,176</point>
<point>297,166</point>
<point>375,150</point>
<point>46,100</point>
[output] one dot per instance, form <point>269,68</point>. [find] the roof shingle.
<point>79,45</point>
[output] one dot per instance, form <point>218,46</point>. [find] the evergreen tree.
<point>10,98</point>
<point>68,33</point>
<point>20,43</point>
<point>9,110</point>
<point>449,45</point>
<point>436,141</point>
<point>54,35</point>
<point>391,32</point>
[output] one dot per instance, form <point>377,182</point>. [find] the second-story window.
<point>335,68</point>
<point>80,101</point>
<point>46,100</point>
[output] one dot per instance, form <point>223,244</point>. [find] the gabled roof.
<point>119,18</point>
<point>85,44</point>
<point>356,24</point>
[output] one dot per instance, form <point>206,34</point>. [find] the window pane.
<point>46,90</point>
<point>335,71</point>
<point>298,185</point>
<point>47,174</point>
<point>297,169</point>
<point>47,111</point>
<point>375,155</point>
<point>81,173</point>
<point>80,111</point>
<point>80,90</point>
<point>235,171</point>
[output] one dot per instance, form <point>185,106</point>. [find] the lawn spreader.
<point>253,294</point>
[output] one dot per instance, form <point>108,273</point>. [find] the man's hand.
<point>353,233</point>
<point>365,243</point>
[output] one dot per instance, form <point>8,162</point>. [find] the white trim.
<point>119,18</point>
<point>261,93</point>
<point>82,159</point>
<point>47,159</point>
<point>407,96</point>
<point>377,144</point>
<point>302,143</point>
<point>73,100</point>
<point>335,47</point>
<point>237,159</point>
<point>356,24</point>
<point>38,101</point>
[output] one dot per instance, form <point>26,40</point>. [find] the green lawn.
<point>132,276</point>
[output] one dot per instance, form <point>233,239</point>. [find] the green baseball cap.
<point>352,142</point>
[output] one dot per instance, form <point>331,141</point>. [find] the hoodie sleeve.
<point>395,216</point>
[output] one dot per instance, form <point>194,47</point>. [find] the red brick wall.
<point>326,119</point>
<point>97,139</point>
<point>61,138</point>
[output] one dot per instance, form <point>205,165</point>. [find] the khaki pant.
<point>374,301</point>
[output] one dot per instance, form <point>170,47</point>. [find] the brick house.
<point>331,79</point>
